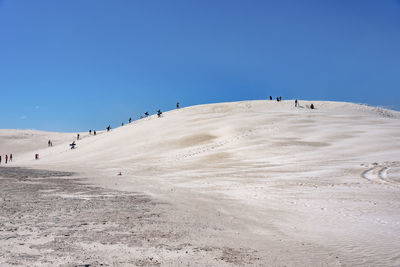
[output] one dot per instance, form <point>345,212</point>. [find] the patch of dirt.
<point>54,219</point>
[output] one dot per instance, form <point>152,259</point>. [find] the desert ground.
<point>251,183</point>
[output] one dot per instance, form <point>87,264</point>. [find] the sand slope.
<point>298,186</point>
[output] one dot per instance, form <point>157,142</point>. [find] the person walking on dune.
<point>94,132</point>
<point>296,103</point>
<point>6,158</point>
<point>159,113</point>
<point>10,157</point>
<point>130,119</point>
<point>77,137</point>
<point>270,97</point>
<point>177,105</point>
<point>0,159</point>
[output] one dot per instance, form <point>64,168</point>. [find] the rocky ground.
<point>54,218</point>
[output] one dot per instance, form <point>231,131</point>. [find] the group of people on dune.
<point>73,144</point>
<point>7,158</point>
<point>296,102</point>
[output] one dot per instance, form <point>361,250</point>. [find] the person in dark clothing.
<point>90,131</point>
<point>296,103</point>
<point>280,99</point>
<point>146,114</point>
<point>122,124</point>
<point>72,145</point>
<point>6,159</point>
<point>159,113</point>
<point>94,132</point>
<point>49,143</point>
<point>0,159</point>
<point>10,157</point>
<point>130,120</point>
<point>312,106</point>
<point>108,128</point>
<point>177,104</point>
<point>270,97</point>
<point>77,137</point>
<point>277,99</point>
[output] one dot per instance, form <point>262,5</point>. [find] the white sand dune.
<point>299,186</point>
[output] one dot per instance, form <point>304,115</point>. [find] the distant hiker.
<point>94,132</point>
<point>280,99</point>
<point>277,99</point>
<point>130,120</point>
<point>122,124</point>
<point>90,131</point>
<point>108,128</point>
<point>36,156</point>
<point>312,106</point>
<point>49,143</point>
<point>296,103</point>
<point>77,137</point>
<point>6,159</point>
<point>146,114</point>
<point>270,97</point>
<point>177,104</point>
<point>0,159</point>
<point>72,145</point>
<point>159,113</point>
<point>10,157</point>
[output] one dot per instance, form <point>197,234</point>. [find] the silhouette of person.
<point>159,113</point>
<point>10,157</point>
<point>122,124</point>
<point>312,106</point>
<point>6,158</point>
<point>77,137</point>
<point>72,145</point>
<point>270,97</point>
<point>296,103</point>
<point>90,131</point>
<point>49,143</point>
<point>177,104</point>
<point>0,159</point>
<point>146,114</point>
<point>130,120</point>
<point>94,132</point>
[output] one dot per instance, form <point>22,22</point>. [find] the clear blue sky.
<point>82,64</point>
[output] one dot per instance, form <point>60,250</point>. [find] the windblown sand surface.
<point>255,183</point>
